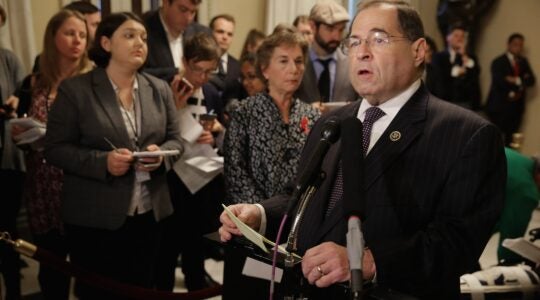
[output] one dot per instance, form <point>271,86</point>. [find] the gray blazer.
<point>85,111</point>
<point>342,89</point>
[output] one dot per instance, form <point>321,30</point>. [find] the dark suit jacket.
<point>86,111</point>
<point>342,89</point>
<point>498,99</point>
<point>432,197</point>
<point>463,90</point>
<point>160,62</point>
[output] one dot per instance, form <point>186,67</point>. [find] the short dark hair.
<point>85,8</point>
<point>201,47</point>
<point>277,39</point>
<point>106,28</point>
<point>222,16</point>
<point>409,20</point>
<point>515,35</point>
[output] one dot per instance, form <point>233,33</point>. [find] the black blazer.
<point>463,90</point>
<point>160,62</point>
<point>432,197</point>
<point>498,98</point>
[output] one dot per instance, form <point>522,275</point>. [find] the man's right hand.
<point>247,213</point>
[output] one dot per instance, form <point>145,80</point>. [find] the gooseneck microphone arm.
<point>308,183</point>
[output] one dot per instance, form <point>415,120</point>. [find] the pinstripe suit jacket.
<point>432,197</point>
<point>85,111</point>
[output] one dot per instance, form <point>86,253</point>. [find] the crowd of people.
<point>118,94</point>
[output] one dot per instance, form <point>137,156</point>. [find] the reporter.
<point>112,203</point>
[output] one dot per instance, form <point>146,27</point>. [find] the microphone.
<point>329,135</point>
<point>352,163</point>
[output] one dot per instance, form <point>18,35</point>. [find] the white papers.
<point>254,236</point>
<point>196,174</point>
<point>30,136</point>
<point>259,269</point>
<point>206,164</point>
<point>35,130</point>
<point>156,153</point>
<point>27,122</point>
<point>190,129</point>
<point>524,248</point>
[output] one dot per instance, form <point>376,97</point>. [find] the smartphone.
<point>185,83</point>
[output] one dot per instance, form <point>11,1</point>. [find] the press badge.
<point>142,176</point>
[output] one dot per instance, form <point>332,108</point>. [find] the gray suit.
<point>85,111</point>
<point>342,89</point>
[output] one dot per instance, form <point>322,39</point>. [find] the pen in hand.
<point>111,144</point>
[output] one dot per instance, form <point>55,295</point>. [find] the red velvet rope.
<point>118,288</point>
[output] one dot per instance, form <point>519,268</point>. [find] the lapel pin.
<point>395,136</point>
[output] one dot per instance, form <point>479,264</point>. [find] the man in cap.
<point>326,76</point>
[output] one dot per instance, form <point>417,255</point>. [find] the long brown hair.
<point>49,69</point>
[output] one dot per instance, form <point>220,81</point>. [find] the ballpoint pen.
<point>111,144</point>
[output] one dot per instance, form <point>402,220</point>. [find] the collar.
<point>225,58</point>
<point>198,93</point>
<point>313,56</point>
<point>392,106</point>
<point>510,56</point>
<point>115,87</point>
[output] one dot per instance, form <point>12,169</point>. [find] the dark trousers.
<point>508,121</point>
<point>54,284</point>
<point>126,255</point>
<point>194,215</point>
<point>10,203</point>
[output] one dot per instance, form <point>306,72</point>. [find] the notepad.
<point>155,153</point>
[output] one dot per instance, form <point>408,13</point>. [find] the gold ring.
<point>320,270</point>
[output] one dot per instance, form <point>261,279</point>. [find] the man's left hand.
<point>326,264</point>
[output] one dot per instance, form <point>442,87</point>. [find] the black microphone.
<point>329,135</point>
<point>352,164</point>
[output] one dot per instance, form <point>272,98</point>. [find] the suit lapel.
<point>146,97</point>
<point>403,130</point>
<point>105,95</point>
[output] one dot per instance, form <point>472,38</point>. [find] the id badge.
<point>142,176</point>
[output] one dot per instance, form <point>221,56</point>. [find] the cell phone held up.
<point>185,85</point>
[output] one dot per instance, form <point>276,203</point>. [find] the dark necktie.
<point>372,115</point>
<point>515,66</point>
<point>221,68</point>
<point>324,80</point>
<point>458,61</point>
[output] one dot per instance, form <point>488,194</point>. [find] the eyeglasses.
<point>200,71</point>
<point>375,40</point>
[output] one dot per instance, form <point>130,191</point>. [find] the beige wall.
<point>42,11</point>
<point>506,17</point>
<point>247,13</point>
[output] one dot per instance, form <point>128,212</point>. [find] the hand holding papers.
<point>32,130</point>
<point>254,236</point>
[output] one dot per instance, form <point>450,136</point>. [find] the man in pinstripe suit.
<point>434,173</point>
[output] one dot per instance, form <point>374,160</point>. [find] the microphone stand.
<point>292,239</point>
